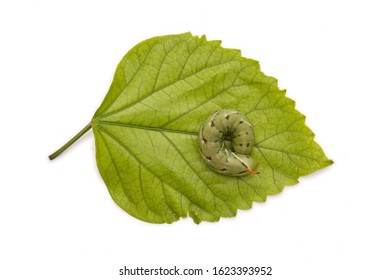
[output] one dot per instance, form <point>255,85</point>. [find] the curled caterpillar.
<point>225,141</point>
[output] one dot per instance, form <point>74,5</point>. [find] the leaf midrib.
<point>159,129</point>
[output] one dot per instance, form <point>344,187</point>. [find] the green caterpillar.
<point>224,129</point>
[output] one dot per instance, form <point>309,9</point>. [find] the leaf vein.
<point>115,167</point>
<point>214,97</point>
<point>202,180</point>
<point>162,88</point>
<point>131,79</point>
<point>141,164</point>
<point>148,128</point>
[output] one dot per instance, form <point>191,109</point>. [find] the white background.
<point>57,61</point>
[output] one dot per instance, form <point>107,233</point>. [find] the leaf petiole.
<point>70,142</point>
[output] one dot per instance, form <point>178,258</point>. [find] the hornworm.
<point>225,141</point>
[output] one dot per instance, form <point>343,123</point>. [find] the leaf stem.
<point>70,142</point>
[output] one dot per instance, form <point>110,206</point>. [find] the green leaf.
<point>146,131</point>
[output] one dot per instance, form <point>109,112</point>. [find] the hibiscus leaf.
<point>146,131</point>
